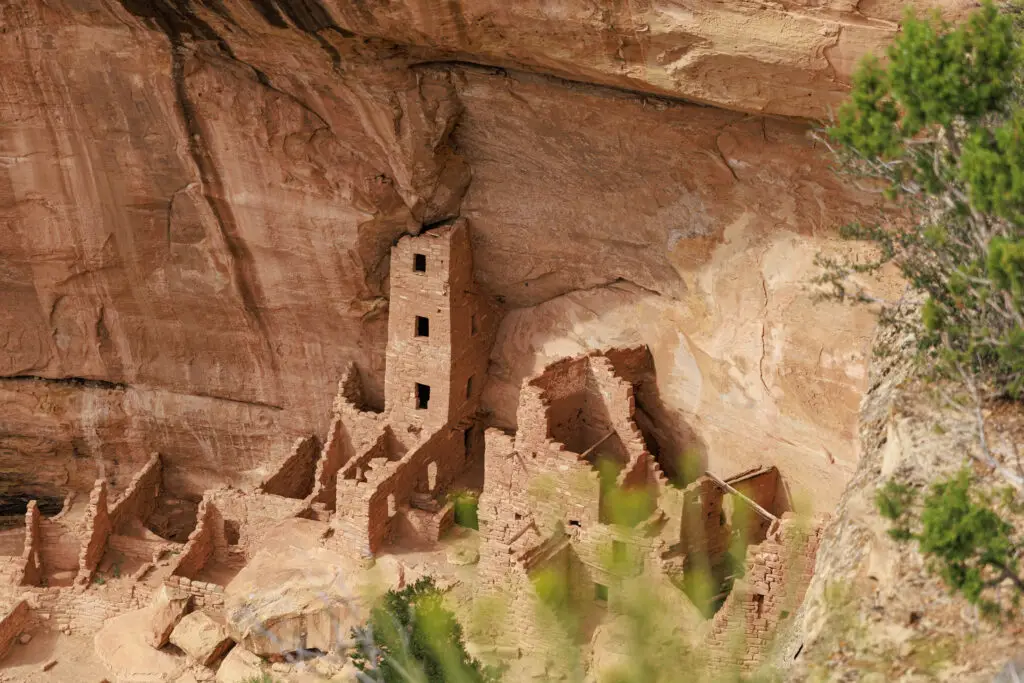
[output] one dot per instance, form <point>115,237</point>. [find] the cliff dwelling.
<point>304,301</point>
<point>577,481</point>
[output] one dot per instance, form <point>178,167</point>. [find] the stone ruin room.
<point>308,303</point>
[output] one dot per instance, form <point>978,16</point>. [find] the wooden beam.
<point>757,508</point>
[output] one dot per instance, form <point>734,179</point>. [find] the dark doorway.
<point>422,396</point>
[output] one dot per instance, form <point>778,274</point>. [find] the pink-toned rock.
<point>202,638</point>
<point>167,608</point>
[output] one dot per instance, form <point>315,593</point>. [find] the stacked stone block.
<point>777,574</point>
<point>97,532</point>
<point>12,623</point>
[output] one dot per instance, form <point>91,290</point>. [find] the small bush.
<point>961,533</point>
<point>412,638</point>
<point>466,509</point>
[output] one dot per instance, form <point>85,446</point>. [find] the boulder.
<point>167,608</point>
<point>289,599</point>
<point>240,666</point>
<point>202,638</point>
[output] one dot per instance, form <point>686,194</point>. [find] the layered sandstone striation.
<point>197,205</point>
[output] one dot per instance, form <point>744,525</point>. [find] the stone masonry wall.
<point>205,594</point>
<point>296,475</point>
<point>201,542</point>
<point>97,531</point>
<point>776,578</point>
<point>336,453</point>
<point>703,532</point>
<point>251,514</point>
<point>413,359</point>
<point>139,499</point>
<point>11,625</point>
<point>31,555</point>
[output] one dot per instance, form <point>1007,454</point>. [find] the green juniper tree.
<point>962,532</point>
<point>940,128</point>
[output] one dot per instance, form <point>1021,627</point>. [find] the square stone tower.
<point>437,348</point>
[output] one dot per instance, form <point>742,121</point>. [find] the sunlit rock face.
<point>197,200</point>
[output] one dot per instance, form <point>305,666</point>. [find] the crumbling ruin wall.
<point>201,542</point>
<point>249,515</point>
<point>703,531</point>
<point>139,499</point>
<point>85,611</point>
<point>296,475</point>
<point>60,546</point>
<point>503,510</point>
<point>12,624</point>
<point>336,453</point>
<point>31,555</point>
<point>778,572</point>
<point>97,531</point>
<point>763,486</point>
<point>445,449</point>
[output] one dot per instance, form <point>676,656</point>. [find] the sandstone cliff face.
<point>197,200</point>
<point>874,610</point>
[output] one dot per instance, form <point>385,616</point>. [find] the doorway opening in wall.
<point>422,396</point>
<point>419,263</point>
<point>422,326</point>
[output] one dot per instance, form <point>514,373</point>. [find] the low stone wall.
<point>139,500</point>
<point>97,531</point>
<point>201,542</point>
<point>11,625</point>
<point>85,611</point>
<point>205,594</point>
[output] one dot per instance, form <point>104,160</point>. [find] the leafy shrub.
<point>940,127</point>
<point>466,509</point>
<point>962,535</point>
<point>412,638</point>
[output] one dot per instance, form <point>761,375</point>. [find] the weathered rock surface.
<point>196,205</point>
<point>240,666</point>
<point>166,610</point>
<point>289,599</point>
<point>201,637</point>
<point>873,610</point>
<point>122,647</point>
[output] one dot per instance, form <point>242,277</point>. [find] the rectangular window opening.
<point>469,388</point>
<point>600,593</point>
<point>422,396</point>
<point>422,326</point>
<point>419,263</point>
<point>472,324</point>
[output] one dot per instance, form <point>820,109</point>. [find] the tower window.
<point>469,387</point>
<point>419,263</point>
<point>472,324</point>
<point>422,396</point>
<point>422,326</point>
<point>600,593</point>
